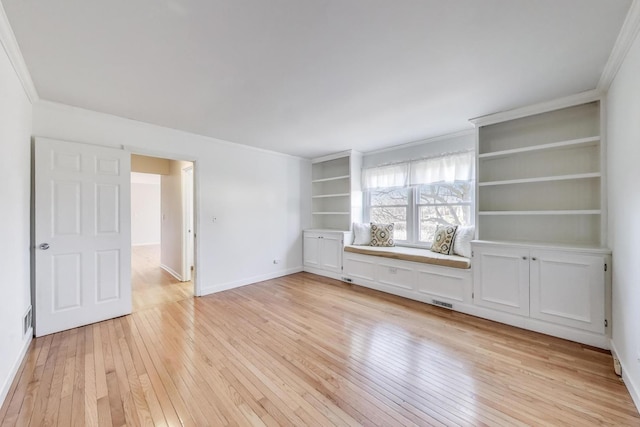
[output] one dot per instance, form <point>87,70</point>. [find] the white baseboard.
<point>248,281</point>
<point>172,272</point>
<point>14,370</point>
<point>323,272</point>
<point>634,391</point>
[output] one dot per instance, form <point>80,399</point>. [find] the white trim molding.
<point>172,272</point>
<point>626,37</point>
<point>634,391</point>
<point>6,387</point>
<point>248,281</point>
<point>10,45</point>
<point>543,107</point>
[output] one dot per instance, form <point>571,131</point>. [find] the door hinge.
<point>473,295</point>
<point>472,254</point>
<point>606,323</point>
<point>605,267</point>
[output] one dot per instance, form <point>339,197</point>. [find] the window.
<point>443,204</point>
<point>438,191</point>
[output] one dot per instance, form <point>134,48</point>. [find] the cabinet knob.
<point>524,257</point>
<point>534,258</point>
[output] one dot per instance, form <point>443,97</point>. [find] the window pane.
<point>390,197</point>
<point>433,216</point>
<point>395,215</point>
<point>435,194</point>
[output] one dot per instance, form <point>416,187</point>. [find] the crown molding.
<point>10,45</point>
<point>626,37</point>
<point>543,107</point>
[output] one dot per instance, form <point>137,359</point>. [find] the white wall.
<point>145,209</point>
<point>623,164</point>
<point>259,198</point>
<point>15,212</point>
<point>420,149</point>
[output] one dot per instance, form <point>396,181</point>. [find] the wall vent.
<point>27,321</point>
<point>441,303</point>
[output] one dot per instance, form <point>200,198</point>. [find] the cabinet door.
<point>568,289</point>
<point>501,279</point>
<point>331,252</point>
<point>311,250</point>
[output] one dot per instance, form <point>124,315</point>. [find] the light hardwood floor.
<point>305,350</point>
<point>150,284</point>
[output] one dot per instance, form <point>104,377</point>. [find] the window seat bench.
<point>418,274</point>
<point>411,254</point>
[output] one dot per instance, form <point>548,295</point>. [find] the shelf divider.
<point>541,147</point>
<point>333,178</point>
<point>542,179</point>
<point>545,212</point>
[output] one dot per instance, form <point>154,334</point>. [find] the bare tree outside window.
<point>443,204</point>
<point>389,205</point>
<point>417,211</point>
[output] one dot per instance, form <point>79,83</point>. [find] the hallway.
<point>151,285</point>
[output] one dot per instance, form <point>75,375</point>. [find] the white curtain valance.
<point>450,168</point>
<point>446,168</point>
<point>386,176</point>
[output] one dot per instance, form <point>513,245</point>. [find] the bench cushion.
<point>412,254</point>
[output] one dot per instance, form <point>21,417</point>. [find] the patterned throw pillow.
<point>443,239</point>
<point>382,235</point>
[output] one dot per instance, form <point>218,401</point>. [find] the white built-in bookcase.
<point>540,176</point>
<point>336,199</point>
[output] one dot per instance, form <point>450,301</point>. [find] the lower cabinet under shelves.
<point>568,288</point>
<point>322,252</point>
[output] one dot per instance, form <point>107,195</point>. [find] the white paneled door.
<point>82,234</point>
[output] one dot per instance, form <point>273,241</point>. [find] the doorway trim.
<point>188,234</point>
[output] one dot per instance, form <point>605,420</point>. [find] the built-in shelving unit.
<point>540,177</point>
<point>336,196</point>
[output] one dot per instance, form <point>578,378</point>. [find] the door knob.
<point>44,246</point>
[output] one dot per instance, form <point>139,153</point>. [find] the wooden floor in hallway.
<point>306,350</point>
<point>150,284</point>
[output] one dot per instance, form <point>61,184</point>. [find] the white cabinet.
<point>322,252</point>
<point>569,289</point>
<point>501,279</point>
<point>560,286</point>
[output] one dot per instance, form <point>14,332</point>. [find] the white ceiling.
<point>311,77</point>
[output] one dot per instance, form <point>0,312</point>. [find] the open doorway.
<point>162,231</point>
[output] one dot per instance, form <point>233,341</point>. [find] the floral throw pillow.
<point>443,239</point>
<point>382,235</point>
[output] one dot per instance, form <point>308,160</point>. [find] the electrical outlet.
<point>276,261</point>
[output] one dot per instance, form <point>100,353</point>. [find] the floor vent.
<point>346,279</point>
<point>27,321</point>
<point>442,303</point>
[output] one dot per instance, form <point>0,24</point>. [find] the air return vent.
<point>441,303</point>
<point>27,321</point>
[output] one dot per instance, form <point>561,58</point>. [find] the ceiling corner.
<point>626,37</point>
<point>10,45</point>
